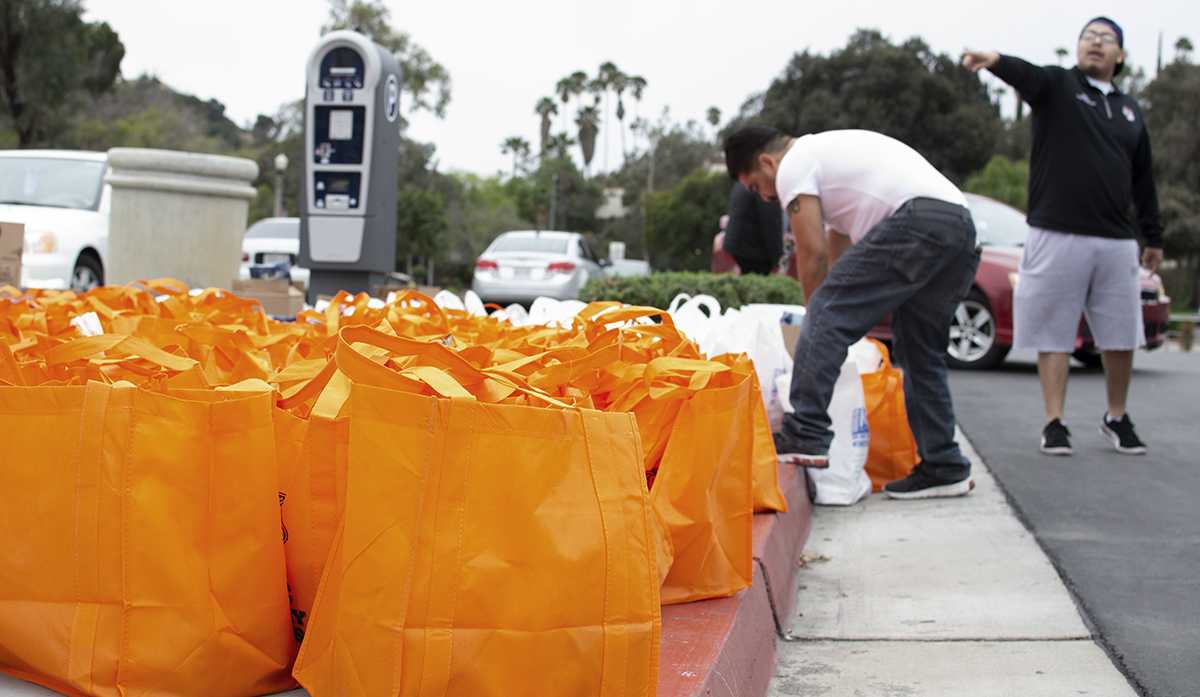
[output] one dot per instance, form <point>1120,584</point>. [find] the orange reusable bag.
<point>487,550</point>
<point>312,496</point>
<point>142,544</point>
<point>703,492</point>
<point>892,453</point>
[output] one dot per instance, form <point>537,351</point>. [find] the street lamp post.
<point>281,163</point>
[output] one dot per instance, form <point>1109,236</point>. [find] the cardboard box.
<point>791,334</point>
<point>278,297</point>
<point>12,242</point>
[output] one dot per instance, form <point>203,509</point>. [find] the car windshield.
<point>530,243</point>
<point>998,225</point>
<point>49,181</point>
<point>275,229</point>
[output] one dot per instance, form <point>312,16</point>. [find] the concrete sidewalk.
<point>947,597</point>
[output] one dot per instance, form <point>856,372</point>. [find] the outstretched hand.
<point>978,60</point>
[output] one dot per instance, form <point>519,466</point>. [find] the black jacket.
<point>754,234</point>
<point>1090,164</point>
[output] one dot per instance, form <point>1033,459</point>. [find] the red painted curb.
<point>726,647</point>
<point>779,541</point>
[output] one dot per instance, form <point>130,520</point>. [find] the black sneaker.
<point>1122,435</point>
<point>801,457</point>
<point>1056,439</point>
<point>920,485</point>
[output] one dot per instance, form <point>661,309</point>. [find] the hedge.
<point>657,290</point>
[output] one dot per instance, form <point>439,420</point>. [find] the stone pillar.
<point>177,214</point>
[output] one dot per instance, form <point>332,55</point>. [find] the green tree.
<point>905,91</point>
<point>425,81</point>
<point>420,224</point>
<point>1003,180</point>
<point>50,62</point>
<point>1171,102</point>
<point>680,223</point>
<point>1061,53</point>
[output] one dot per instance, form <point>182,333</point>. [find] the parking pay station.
<point>352,140</point>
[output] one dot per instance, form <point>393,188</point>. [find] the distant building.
<point>613,207</point>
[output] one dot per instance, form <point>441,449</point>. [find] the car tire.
<point>87,274</point>
<point>1089,357</point>
<point>973,344</point>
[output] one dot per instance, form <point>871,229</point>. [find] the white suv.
<point>61,198</point>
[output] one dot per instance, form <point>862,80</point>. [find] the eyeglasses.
<point>1103,37</point>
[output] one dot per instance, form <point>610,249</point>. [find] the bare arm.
<point>812,249</point>
<point>837,244</point>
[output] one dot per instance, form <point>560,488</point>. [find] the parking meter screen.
<point>338,135</point>
<point>341,124</point>
<point>342,68</point>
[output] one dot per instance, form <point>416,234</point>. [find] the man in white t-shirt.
<point>901,242</point>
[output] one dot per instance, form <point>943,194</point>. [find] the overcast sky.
<point>503,56</point>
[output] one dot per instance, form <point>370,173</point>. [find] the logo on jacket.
<point>1083,97</point>
<point>1129,115</point>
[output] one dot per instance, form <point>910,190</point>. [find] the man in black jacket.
<point>1090,166</point>
<point>754,234</point>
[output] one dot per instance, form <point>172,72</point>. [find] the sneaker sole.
<point>1113,438</point>
<point>815,462</point>
<point>935,492</point>
<point>1061,450</point>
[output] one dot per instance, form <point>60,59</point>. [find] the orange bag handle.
<point>446,376</point>
<point>89,346</point>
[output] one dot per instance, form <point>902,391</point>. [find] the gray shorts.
<point>1062,277</point>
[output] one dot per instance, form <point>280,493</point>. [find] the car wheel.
<point>973,335</point>
<point>88,273</point>
<point>1089,357</point>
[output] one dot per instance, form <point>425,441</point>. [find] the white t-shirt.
<point>1105,87</point>
<point>861,178</point>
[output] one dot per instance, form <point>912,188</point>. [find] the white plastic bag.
<point>554,313</point>
<point>693,315</point>
<point>866,355</point>
<point>448,301</point>
<point>473,304</point>
<point>759,337</point>
<point>845,481</point>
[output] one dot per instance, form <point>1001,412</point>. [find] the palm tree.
<point>547,109</point>
<point>559,143</point>
<point>620,82</point>
<point>571,86</point>
<point>518,147</point>
<point>637,87</point>
<point>1183,49</point>
<point>713,117</point>
<point>588,121</point>
<point>608,75</point>
<point>1062,53</point>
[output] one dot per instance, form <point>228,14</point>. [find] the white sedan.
<point>274,242</point>
<point>519,266</point>
<point>61,199</point>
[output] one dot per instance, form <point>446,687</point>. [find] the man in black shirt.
<point>1090,166</point>
<point>754,234</point>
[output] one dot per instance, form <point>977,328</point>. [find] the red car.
<point>981,334</point>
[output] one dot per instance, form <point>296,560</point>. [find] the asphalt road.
<point>1124,532</point>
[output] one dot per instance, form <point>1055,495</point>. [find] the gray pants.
<point>916,264</point>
